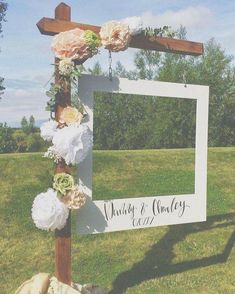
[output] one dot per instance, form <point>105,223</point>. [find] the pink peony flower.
<point>75,198</point>
<point>115,35</point>
<point>71,44</point>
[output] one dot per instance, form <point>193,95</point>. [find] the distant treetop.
<point>3,9</point>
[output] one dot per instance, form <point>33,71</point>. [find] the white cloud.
<point>17,103</point>
<point>43,80</point>
<point>190,17</point>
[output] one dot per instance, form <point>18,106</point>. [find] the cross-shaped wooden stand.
<point>62,22</point>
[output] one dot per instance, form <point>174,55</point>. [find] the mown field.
<point>141,173</point>
<point>191,258</point>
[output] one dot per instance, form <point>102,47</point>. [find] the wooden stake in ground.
<point>61,23</point>
<point>63,237</point>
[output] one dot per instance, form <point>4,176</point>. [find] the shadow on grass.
<point>158,261</point>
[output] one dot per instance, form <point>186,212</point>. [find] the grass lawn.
<point>190,258</point>
<point>141,173</point>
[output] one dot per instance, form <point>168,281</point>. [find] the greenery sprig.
<point>164,31</point>
<point>56,88</point>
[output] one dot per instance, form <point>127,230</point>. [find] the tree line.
<point>24,139</point>
<point>3,9</point>
<point>132,122</point>
<point>143,122</point>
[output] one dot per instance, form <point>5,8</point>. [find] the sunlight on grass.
<point>140,173</point>
<point>190,258</point>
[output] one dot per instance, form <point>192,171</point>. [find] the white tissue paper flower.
<point>48,212</point>
<point>48,130</point>
<point>73,143</point>
<point>135,24</point>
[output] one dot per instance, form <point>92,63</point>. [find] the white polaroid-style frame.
<point>134,213</point>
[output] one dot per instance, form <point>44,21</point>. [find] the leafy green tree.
<point>214,68</point>
<point>34,142</point>
<point>25,125</point>
<point>173,120</point>
<point>3,9</point>
<point>147,64</point>
<point>28,142</point>
<point>120,71</point>
<point>96,69</point>
<point>31,124</point>
<point>20,139</point>
<point>7,143</point>
<point>1,87</point>
<point>28,126</point>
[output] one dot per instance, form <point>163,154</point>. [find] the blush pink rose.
<point>71,44</point>
<point>75,198</point>
<point>115,35</point>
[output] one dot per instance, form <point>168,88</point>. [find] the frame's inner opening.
<point>143,146</point>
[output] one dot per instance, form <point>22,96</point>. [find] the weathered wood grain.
<point>63,237</point>
<point>49,26</point>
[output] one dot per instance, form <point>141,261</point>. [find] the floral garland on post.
<point>71,138</point>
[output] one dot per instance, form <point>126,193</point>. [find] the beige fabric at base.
<point>57,287</point>
<point>38,284</point>
<point>43,284</point>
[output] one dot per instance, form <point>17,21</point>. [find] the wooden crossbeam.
<point>51,27</point>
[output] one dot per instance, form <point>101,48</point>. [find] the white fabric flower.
<point>135,24</point>
<point>73,143</point>
<point>48,212</point>
<point>48,130</point>
<point>66,66</point>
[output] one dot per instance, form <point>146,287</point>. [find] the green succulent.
<point>63,183</point>
<point>93,40</point>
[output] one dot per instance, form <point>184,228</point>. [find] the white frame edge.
<point>134,213</point>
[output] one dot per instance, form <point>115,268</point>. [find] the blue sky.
<point>25,57</point>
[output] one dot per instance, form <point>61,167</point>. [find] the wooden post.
<point>63,237</point>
